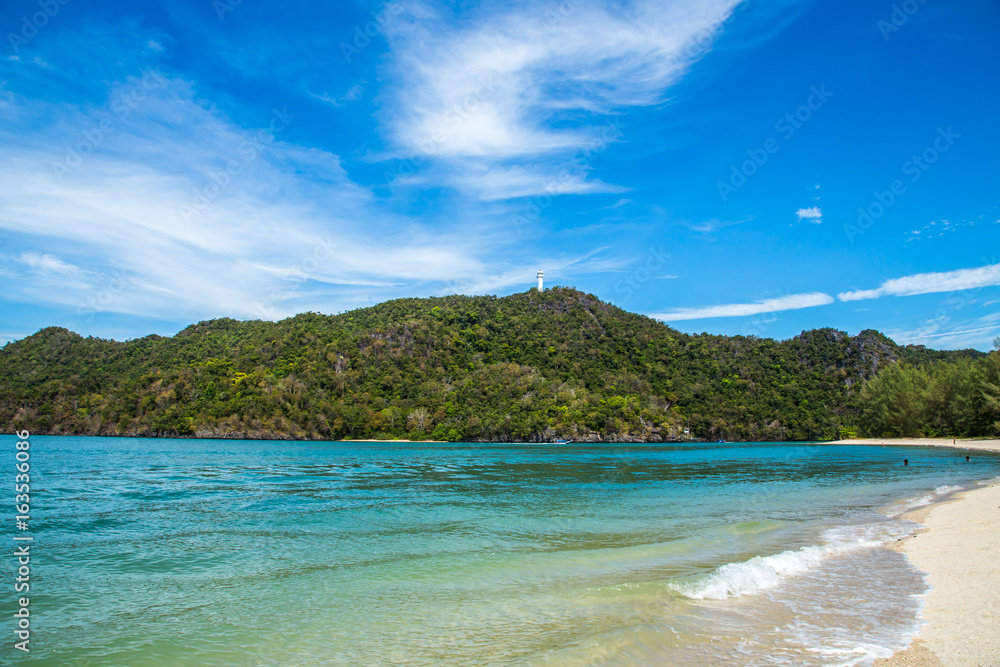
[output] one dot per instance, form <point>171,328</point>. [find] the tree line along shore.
<point>532,367</point>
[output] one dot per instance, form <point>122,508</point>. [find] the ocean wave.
<point>764,572</point>
<point>911,504</point>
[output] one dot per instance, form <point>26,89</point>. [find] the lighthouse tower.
<point>539,280</point>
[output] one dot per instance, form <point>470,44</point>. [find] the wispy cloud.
<point>47,263</point>
<point>812,214</point>
<point>942,333</point>
<point>714,225</point>
<point>492,184</point>
<point>286,230</point>
<point>788,302</point>
<point>493,86</point>
<point>930,283</point>
<point>936,228</point>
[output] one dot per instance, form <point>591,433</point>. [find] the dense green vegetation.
<point>958,399</point>
<point>531,366</point>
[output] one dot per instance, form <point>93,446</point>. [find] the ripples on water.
<point>176,552</point>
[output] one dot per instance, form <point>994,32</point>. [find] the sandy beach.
<point>959,549</point>
<point>393,440</point>
<point>987,445</point>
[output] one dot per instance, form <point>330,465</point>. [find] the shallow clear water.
<point>223,552</point>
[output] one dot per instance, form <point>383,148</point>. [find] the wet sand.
<point>959,549</point>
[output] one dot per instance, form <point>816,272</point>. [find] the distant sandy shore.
<point>988,445</point>
<point>959,549</point>
<point>396,440</point>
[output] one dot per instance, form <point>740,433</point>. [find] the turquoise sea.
<point>229,552</point>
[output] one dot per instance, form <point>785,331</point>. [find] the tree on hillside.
<point>894,402</point>
<point>991,388</point>
<point>417,420</point>
<point>957,399</point>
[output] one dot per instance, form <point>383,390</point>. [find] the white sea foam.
<point>764,572</point>
<point>882,642</point>
<point>910,504</point>
<point>860,654</point>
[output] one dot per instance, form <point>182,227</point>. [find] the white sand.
<point>989,445</point>
<point>960,552</point>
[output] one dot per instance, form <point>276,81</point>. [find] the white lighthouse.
<point>539,280</point>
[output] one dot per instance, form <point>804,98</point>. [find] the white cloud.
<point>789,302</point>
<point>47,263</point>
<point>495,87</point>
<point>859,295</point>
<point>929,283</point>
<point>289,232</point>
<point>714,225</point>
<point>508,182</point>
<point>812,214</point>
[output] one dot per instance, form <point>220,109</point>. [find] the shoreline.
<point>958,548</point>
<point>984,444</point>
<point>378,440</point>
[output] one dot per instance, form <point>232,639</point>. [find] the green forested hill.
<point>531,366</point>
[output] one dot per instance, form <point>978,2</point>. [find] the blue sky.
<point>731,167</point>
